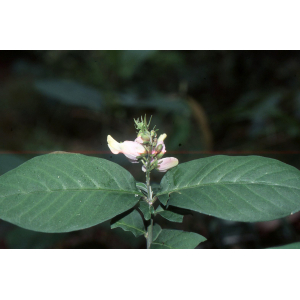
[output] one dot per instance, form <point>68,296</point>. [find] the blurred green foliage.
<point>240,102</point>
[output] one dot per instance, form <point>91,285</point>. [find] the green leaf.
<point>177,239</point>
<point>132,222</point>
<point>169,215</point>
<point>142,187</point>
<point>163,198</point>
<point>156,231</point>
<point>151,208</point>
<point>288,246</point>
<point>144,208</point>
<point>244,188</point>
<point>63,192</point>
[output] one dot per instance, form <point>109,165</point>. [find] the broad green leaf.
<point>156,231</point>
<point>63,192</point>
<point>144,208</point>
<point>243,188</point>
<point>169,215</point>
<point>132,222</point>
<point>288,246</point>
<point>177,239</point>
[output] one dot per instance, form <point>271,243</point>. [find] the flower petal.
<point>113,145</point>
<point>139,140</point>
<point>161,138</point>
<point>167,163</point>
<point>132,150</point>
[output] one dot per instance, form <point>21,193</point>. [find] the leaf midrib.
<point>68,190</point>
<point>226,183</point>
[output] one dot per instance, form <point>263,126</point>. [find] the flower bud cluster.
<point>146,148</point>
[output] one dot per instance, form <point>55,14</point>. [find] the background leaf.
<point>131,222</point>
<point>65,192</point>
<point>288,246</point>
<point>243,188</point>
<point>177,239</point>
<point>70,92</point>
<point>131,61</point>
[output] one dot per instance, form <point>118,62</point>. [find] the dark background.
<point>208,103</point>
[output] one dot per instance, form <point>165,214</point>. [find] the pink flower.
<point>130,149</point>
<point>167,163</point>
<point>164,164</point>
